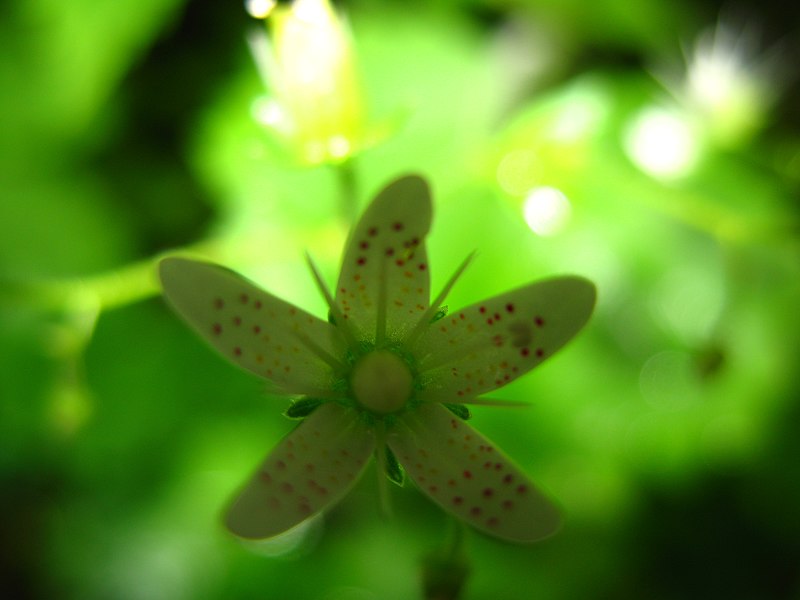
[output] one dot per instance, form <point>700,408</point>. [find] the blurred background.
<point>650,145</point>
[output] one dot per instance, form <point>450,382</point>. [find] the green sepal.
<point>300,409</point>
<point>394,471</point>
<point>440,314</point>
<point>459,410</point>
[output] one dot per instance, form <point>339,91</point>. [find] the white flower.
<point>307,64</point>
<point>387,374</point>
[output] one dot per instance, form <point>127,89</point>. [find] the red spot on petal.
<point>397,226</point>
<point>510,307</point>
<point>219,303</point>
<point>467,475</point>
<point>498,466</point>
<point>482,309</point>
<point>280,465</point>
<point>492,521</point>
<point>508,504</point>
<point>364,245</point>
<point>256,329</point>
<point>521,489</point>
<point>539,321</point>
<point>525,352</point>
<point>458,500</point>
<point>372,231</point>
<point>244,298</point>
<point>361,260</point>
<point>287,487</point>
<point>237,321</point>
<point>257,305</point>
<point>433,489</point>
<point>217,329</point>
<point>265,477</point>
<point>539,352</point>
<point>488,492</point>
<point>237,351</point>
<point>475,511</point>
<point>508,478</point>
<point>389,251</point>
<point>422,266</point>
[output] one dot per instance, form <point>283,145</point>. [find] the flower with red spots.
<point>387,374</point>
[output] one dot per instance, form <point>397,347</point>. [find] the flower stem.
<point>445,571</point>
<point>347,181</point>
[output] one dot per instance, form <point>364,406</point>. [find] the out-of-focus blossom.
<point>730,85</point>
<point>314,101</point>
<point>721,100</point>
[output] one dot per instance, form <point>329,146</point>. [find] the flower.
<point>387,374</point>
<point>308,66</point>
<point>730,84</point>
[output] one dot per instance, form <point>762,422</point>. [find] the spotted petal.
<point>311,469</point>
<point>468,476</point>
<point>488,344</point>
<point>384,281</point>
<point>250,327</point>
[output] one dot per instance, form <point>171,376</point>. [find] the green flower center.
<point>381,382</point>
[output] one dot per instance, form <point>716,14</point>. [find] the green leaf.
<point>394,471</point>
<point>459,410</point>
<point>300,409</point>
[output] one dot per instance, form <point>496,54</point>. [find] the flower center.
<point>381,382</point>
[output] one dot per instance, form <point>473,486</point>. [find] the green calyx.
<point>300,409</point>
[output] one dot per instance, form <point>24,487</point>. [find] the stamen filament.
<point>437,398</point>
<point>382,470</point>
<point>325,356</point>
<point>431,362</point>
<point>341,323</point>
<point>427,316</point>
<point>380,324</point>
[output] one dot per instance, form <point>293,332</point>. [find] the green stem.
<point>347,180</point>
<point>446,570</point>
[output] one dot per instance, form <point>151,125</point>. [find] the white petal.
<point>387,248</point>
<point>311,469</point>
<point>252,328</point>
<point>469,477</point>
<point>486,345</point>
